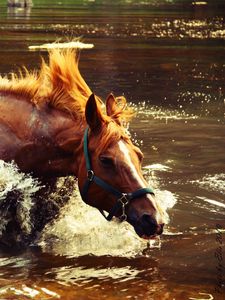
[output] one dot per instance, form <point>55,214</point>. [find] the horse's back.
<point>35,137</point>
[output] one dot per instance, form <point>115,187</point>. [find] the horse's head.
<point>110,176</point>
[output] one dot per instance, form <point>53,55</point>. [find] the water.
<point>167,58</point>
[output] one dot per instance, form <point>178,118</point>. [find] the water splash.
<point>143,108</point>
<point>165,199</point>
<point>24,187</point>
<point>212,182</point>
<point>81,230</point>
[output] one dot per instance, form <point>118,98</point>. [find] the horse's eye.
<point>106,161</point>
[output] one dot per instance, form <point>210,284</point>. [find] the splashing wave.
<point>143,108</point>
<point>79,229</point>
<point>24,186</point>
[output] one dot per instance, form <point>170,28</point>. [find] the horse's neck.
<point>44,141</point>
<point>63,135</point>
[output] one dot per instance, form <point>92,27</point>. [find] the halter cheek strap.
<point>123,199</point>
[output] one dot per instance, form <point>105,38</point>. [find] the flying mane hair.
<point>60,85</point>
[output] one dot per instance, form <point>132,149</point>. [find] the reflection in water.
<point>19,12</point>
<point>177,29</point>
<point>213,202</point>
<point>212,182</point>
<point>183,28</point>
<point>69,274</point>
<point>31,293</point>
<point>19,3</point>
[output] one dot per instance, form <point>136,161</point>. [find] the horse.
<point>52,125</point>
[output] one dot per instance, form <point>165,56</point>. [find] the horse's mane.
<point>58,84</point>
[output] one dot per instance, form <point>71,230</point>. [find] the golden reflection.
<point>186,28</point>
<point>50,293</point>
<point>70,274</point>
<point>199,3</point>
<point>28,292</point>
<point>206,297</point>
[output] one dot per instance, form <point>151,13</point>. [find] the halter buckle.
<point>90,175</point>
<point>124,201</point>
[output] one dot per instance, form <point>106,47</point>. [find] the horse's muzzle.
<point>146,226</point>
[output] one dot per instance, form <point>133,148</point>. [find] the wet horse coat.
<point>43,117</point>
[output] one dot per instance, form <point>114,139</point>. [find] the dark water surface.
<point>169,61</point>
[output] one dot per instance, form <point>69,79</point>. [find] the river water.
<point>167,58</point>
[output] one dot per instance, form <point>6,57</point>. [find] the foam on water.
<point>11,180</point>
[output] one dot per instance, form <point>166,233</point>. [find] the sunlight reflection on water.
<point>28,292</point>
<point>212,182</point>
<point>70,274</point>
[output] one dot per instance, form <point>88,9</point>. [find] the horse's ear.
<point>111,106</point>
<point>92,114</point>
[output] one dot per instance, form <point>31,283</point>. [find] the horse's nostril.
<point>150,226</point>
<point>148,220</point>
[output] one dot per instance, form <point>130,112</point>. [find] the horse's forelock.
<point>110,133</point>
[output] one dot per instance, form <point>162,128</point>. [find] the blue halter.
<point>123,199</point>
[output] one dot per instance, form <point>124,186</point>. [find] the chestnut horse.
<point>52,125</point>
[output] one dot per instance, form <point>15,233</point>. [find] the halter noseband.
<point>123,199</point>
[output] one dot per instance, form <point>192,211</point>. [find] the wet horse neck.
<point>46,141</point>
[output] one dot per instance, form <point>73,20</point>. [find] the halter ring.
<point>90,175</point>
<point>123,217</point>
